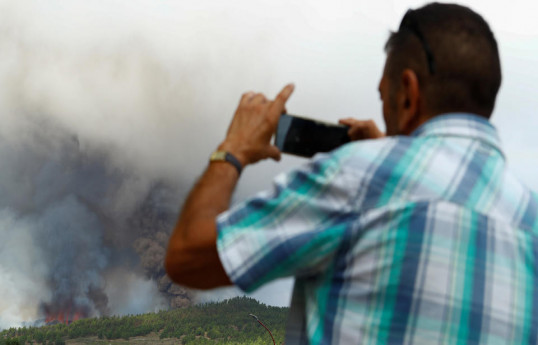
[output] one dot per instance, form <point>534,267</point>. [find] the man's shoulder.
<point>386,151</point>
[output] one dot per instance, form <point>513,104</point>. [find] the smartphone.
<point>304,137</point>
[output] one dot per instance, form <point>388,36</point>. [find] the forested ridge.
<point>226,322</point>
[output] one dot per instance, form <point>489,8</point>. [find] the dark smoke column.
<point>71,239</point>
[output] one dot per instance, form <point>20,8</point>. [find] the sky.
<point>155,83</point>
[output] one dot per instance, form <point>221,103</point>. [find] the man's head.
<point>443,58</point>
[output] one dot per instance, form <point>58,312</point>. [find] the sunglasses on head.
<point>409,22</point>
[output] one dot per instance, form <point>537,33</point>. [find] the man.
<point>423,236</point>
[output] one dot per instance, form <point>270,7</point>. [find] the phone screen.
<point>305,137</point>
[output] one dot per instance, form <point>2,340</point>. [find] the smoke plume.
<point>73,225</point>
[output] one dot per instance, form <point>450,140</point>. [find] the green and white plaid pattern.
<point>427,239</point>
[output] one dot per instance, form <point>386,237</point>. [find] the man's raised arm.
<point>192,259</point>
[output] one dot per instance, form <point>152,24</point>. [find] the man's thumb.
<point>273,152</point>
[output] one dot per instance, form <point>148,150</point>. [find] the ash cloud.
<point>64,242</point>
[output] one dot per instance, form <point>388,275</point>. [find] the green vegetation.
<point>226,322</point>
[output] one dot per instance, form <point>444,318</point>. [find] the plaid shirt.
<point>425,239</point>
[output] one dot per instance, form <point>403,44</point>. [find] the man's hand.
<point>254,122</point>
<point>362,129</point>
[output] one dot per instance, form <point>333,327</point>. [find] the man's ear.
<point>409,116</point>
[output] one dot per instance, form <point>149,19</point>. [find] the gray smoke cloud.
<point>73,226</point>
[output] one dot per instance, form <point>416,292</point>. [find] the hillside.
<point>226,322</point>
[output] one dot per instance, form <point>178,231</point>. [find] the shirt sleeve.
<point>292,230</point>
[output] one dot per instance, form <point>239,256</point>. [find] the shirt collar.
<point>462,125</point>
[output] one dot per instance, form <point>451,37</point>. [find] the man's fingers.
<point>347,121</point>
<point>361,129</point>
<point>258,98</point>
<point>278,104</point>
<point>254,122</point>
<point>356,133</point>
<point>273,152</point>
<point>246,97</point>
